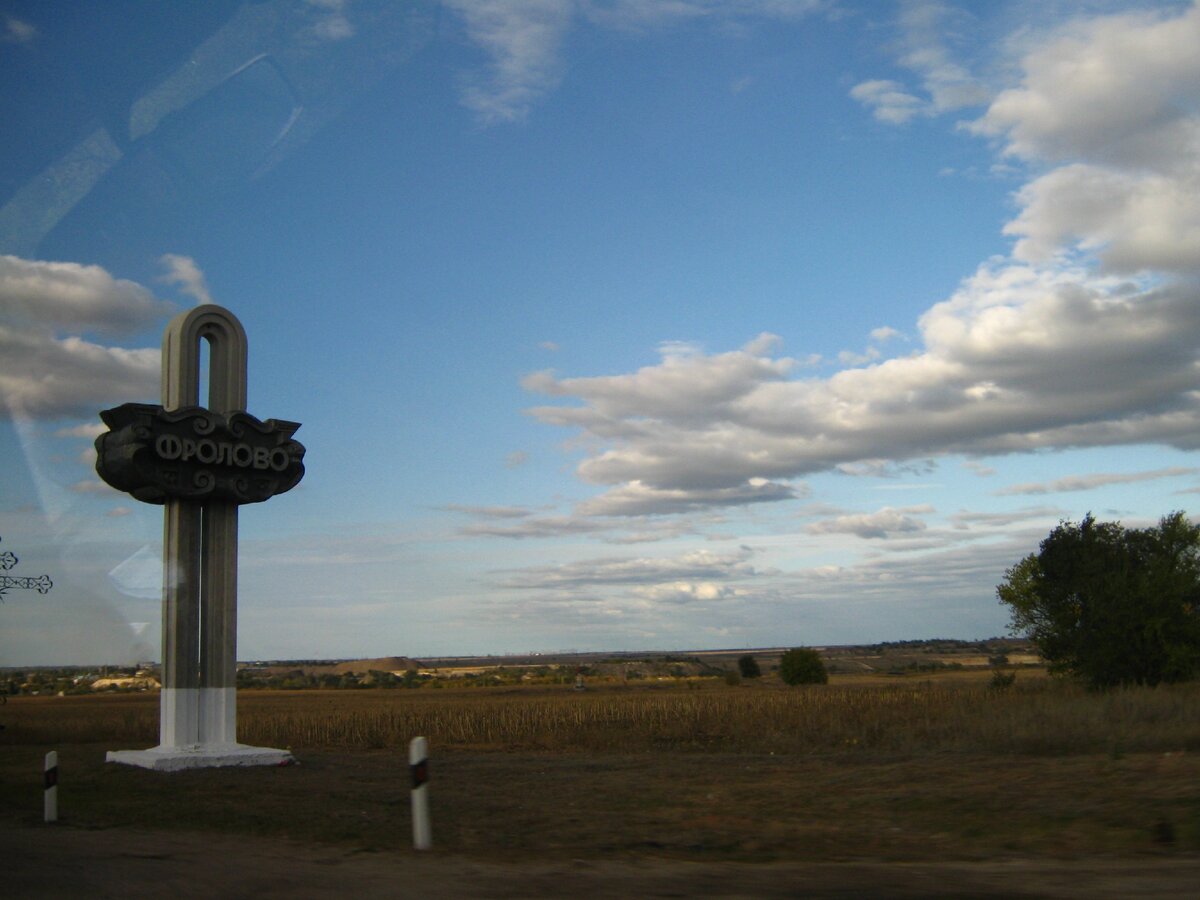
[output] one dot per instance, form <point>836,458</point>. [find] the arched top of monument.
<point>227,359</point>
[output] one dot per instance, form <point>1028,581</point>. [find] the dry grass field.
<point>910,770</point>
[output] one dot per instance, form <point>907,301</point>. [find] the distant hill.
<point>341,667</point>
<point>381,664</point>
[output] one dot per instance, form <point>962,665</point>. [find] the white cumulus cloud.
<point>183,271</point>
<point>1017,359</point>
<point>36,293</point>
<point>1112,103</point>
<point>880,524</point>
<point>48,369</point>
<point>888,100</point>
<point>686,592</point>
<point>692,567</point>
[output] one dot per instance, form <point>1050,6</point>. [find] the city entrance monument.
<point>200,464</point>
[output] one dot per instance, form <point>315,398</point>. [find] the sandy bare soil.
<point>52,861</point>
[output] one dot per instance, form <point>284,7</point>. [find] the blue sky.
<point>612,324</point>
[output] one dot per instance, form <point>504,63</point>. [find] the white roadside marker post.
<point>51,792</point>
<point>418,763</point>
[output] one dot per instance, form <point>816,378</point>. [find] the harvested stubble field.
<point>905,771</point>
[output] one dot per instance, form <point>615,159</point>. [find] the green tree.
<point>748,667</point>
<point>801,665</point>
<point>1112,605</point>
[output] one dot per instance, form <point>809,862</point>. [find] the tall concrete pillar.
<point>200,603</point>
<point>218,612</point>
<point>179,698</point>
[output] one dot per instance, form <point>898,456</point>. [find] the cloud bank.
<point>1086,335</point>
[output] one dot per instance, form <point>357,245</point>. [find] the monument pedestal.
<point>198,730</point>
<point>201,756</point>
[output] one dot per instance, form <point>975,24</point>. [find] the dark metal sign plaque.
<point>195,454</point>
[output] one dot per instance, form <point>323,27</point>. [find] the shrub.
<point>801,665</point>
<point>1002,680</point>
<point>748,667</point>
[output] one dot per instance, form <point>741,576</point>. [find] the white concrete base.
<point>217,716</point>
<point>190,716</point>
<point>175,759</point>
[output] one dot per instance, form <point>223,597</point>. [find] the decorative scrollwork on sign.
<point>40,583</point>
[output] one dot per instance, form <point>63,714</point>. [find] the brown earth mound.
<point>363,666</point>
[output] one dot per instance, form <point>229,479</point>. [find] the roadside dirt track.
<point>56,861</point>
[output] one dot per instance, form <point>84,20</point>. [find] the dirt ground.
<point>63,862</point>
<point>608,825</point>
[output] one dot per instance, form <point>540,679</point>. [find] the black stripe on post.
<point>420,773</point>
<point>51,777</point>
